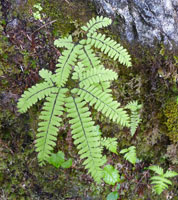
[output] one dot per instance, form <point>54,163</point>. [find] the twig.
<point>43,26</point>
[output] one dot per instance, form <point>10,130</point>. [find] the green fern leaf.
<point>47,131</point>
<point>96,23</point>
<point>170,174</point>
<point>66,61</point>
<point>95,75</point>
<point>47,75</point>
<point>88,57</point>
<point>161,179</point>
<point>160,182</point>
<point>64,42</point>
<point>110,47</point>
<point>33,94</point>
<point>157,169</point>
<point>86,140</point>
<point>110,144</point>
<point>130,154</point>
<point>103,103</point>
<point>135,118</point>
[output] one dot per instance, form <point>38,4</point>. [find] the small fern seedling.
<point>134,107</point>
<point>130,154</point>
<point>91,87</point>
<point>161,181</point>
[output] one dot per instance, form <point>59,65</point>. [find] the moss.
<point>66,14</point>
<point>171,113</point>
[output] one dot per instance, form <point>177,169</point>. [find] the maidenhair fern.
<point>91,87</point>
<point>161,181</point>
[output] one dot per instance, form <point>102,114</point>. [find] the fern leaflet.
<point>95,75</point>
<point>135,117</point>
<point>64,42</point>
<point>96,23</point>
<point>66,61</point>
<point>110,144</point>
<point>103,103</point>
<point>88,57</point>
<point>47,131</point>
<point>130,154</point>
<point>33,94</point>
<point>161,182</point>
<point>110,47</point>
<point>86,140</point>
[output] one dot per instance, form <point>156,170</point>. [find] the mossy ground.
<point>151,80</point>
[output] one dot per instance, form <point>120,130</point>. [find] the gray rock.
<point>144,21</point>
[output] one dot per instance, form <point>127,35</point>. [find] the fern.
<point>110,144</point>
<point>161,181</point>
<point>47,131</point>
<point>87,141</point>
<point>97,23</point>
<point>134,107</point>
<point>130,154</point>
<point>109,46</point>
<point>91,87</point>
<point>103,103</point>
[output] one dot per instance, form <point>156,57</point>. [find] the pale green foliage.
<point>91,86</point>
<point>57,160</point>
<point>110,144</point>
<point>130,154</point>
<point>134,107</point>
<point>96,23</point>
<point>161,181</point>
<point>36,13</point>
<point>86,140</point>
<point>111,175</point>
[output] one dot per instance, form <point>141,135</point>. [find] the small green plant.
<point>161,181</point>
<point>111,175</point>
<point>79,81</point>
<point>130,154</point>
<point>113,196</point>
<point>134,107</point>
<point>58,160</point>
<point>36,13</point>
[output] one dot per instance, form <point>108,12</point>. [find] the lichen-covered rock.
<point>144,21</point>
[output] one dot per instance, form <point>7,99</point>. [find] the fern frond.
<point>33,94</point>
<point>86,140</point>
<point>64,42</point>
<point>160,182</point>
<point>156,169</point>
<point>47,75</point>
<point>134,107</point>
<point>103,102</point>
<point>96,75</point>
<point>66,60</point>
<point>170,174</point>
<point>96,23</point>
<point>109,47</point>
<point>47,131</point>
<point>110,144</point>
<point>130,154</point>
<point>103,86</point>
<point>88,57</point>
<point>161,179</point>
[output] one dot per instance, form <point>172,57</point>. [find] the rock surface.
<point>144,21</point>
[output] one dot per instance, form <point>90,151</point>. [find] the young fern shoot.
<point>130,154</point>
<point>92,87</point>
<point>160,182</point>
